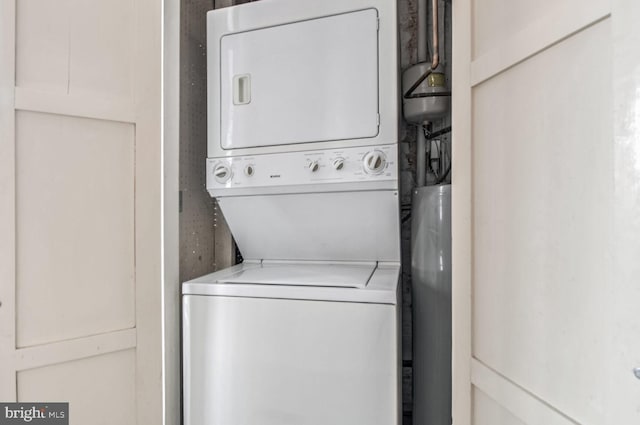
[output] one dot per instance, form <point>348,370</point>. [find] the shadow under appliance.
<point>302,157</point>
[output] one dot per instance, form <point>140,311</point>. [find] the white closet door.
<point>80,319</point>
<point>546,206</point>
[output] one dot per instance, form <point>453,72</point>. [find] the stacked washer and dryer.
<point>302,158</point>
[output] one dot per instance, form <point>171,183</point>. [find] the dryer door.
<point>307,81</point>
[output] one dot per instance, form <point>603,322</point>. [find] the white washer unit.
<point>302,146</point>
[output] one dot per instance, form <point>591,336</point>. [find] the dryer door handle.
<point>242,89</point>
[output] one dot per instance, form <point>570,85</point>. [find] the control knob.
<point>313,166</point>
<point>338,163</point>
<point>222,173</point>
<point>374,162</point>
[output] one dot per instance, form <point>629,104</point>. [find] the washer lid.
<point>349,275</point>
<point>381,282</point>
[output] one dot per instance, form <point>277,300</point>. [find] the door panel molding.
<point>171,376</point>
<point>148,210</point>
<point>462,217</point>
<point>97,107</point>
<point>524,405</point>
<point>622,403</point>
<point>487,411</point>
<point>75,349</point>
<point>8,390</point>
<point>562,21</point>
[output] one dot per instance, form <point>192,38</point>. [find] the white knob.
<point>313,166</point>
<point>222,173</point>
<point>338,163</point>
<point>249,170</point>
<point>374,162</point>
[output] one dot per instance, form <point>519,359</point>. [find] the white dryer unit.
<point>302,157</point>
<point>305,73</point>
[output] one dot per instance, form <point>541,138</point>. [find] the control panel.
<point>349,165</point>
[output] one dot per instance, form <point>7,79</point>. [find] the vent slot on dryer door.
<point>308,81</point>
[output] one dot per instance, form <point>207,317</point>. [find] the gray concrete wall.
<point>206,244</point>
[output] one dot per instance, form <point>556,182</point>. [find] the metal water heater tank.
<point>431,280</point>
<point>430,100</point>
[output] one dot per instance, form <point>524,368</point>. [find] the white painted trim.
<point>171,395</point>
<point>97,107</point>
<point>461,231</point>
<point>148,209</point>
<point>619,310</point>
<point>7,201</point>
<point>74,349</point>
<point>562,20</point>
<point>520,402</point>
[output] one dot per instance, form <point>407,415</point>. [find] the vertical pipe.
<point>422,30</point>
<point>431,280</point>
<point>421,160</point>
<point>435,45</point>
